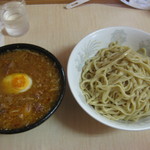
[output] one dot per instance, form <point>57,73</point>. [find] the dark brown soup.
<point>24,106</point>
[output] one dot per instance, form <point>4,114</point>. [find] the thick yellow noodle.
<point>116,82</point>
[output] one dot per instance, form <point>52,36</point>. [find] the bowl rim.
<point>69,80</point>
<point>40,50</point>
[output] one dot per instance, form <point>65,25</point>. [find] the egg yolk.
<point>16,83</point>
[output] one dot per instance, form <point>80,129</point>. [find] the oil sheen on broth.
<point>29,87</point>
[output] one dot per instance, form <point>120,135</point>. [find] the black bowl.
<point>34,48</point>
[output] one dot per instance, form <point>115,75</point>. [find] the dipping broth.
<point>29,87</point>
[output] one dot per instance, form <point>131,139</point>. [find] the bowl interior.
<point>88,47</point>
<point>34,48</point>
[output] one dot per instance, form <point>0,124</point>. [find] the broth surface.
<point>21,109</point>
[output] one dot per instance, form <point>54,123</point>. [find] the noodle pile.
<point>116,82</point>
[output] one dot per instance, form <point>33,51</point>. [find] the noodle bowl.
<point>122,80</point>
<point>116,82</point>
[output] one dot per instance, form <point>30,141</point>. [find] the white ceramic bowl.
<point>88,47</point>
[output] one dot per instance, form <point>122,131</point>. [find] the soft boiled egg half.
<point>16,83</point>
